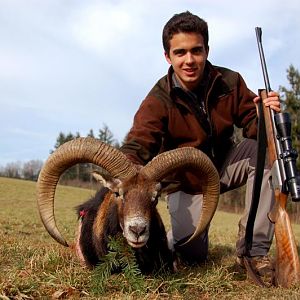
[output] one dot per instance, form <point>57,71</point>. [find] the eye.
<point>119,197</point>
<point>119,193</point>
<point>197,50</point>
<point>179,52</point>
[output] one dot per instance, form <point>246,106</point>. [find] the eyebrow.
<point>181,50</point>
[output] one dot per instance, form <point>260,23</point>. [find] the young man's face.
<point>187,56</point>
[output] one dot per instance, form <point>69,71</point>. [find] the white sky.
<point>71,66</point>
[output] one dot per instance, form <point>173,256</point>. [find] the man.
<point>197,104</point>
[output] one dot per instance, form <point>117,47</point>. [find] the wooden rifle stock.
<point>287,266</point>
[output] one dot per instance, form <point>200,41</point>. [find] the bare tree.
<point>31,169</point>
<point>13,170</point>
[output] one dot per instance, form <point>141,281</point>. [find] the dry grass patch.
<point>34,266</point>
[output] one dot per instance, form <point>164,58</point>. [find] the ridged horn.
<point>80,150</point>
<point>188,158</point>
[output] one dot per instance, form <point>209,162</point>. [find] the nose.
<point>189,58</point>
<point>137,230</point>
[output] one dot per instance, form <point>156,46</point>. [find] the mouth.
<point>136,244</point>
<point>190,71</point>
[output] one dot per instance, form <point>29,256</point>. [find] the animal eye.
<point>119,197</point>
<point>119,193</point>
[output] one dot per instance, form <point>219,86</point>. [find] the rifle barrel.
<point>262,58</point>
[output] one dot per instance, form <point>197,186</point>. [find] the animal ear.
<point>157,191</point>
<point>107,181</point>
<point>158,187</point>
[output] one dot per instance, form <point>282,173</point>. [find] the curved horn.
<point>185,158</point>
<point>80,150</point>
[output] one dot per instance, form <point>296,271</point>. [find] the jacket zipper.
<point>208,114</point>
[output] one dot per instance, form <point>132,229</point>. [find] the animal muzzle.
<point>136,231</point>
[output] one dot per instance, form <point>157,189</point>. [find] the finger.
<point>275,105</point>
<point>276,108</point>
<point>256,99</point>
<point>273,94</point>
<point>271,101</point>
<point>272,98</point>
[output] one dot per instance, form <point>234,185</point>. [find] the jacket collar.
<point>210,74</point>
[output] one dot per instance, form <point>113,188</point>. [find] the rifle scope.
<point>288,155</point>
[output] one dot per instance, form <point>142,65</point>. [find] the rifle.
<point>284,180</point>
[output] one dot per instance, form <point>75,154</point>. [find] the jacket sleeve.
<point>145,137</point>
<point>247,117</point>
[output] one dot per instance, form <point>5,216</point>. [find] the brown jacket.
<point>168,118</point>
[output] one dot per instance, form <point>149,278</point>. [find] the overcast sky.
<point>71,66</point>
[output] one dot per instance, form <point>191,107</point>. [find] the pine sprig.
<point>103,271</point>
<point>121,258</point>
<point>131,271</point>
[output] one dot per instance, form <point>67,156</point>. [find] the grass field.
<point>34,266</point>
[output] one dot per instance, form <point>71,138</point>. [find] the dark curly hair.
<point>184,22</point>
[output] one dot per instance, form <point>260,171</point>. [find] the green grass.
<point>34,266</point>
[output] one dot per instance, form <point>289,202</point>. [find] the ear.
<point>107,181</point>
<point>156,192</point>
<point>168,58</point>
<point>158,187</point>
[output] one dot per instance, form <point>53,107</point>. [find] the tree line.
<point>77,175</point>
<point>29,170</point>
<point>81,173</point>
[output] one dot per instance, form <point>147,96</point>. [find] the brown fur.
<point>100,220</point>
<point>107,214</point>
<point>137,191</point>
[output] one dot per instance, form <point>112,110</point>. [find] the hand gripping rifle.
<point>284,180</point>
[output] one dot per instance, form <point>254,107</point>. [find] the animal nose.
<point>138,230</point>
